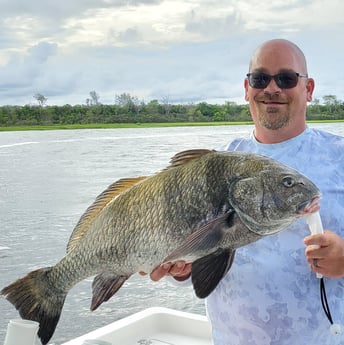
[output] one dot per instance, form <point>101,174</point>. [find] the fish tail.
<point>37,299</point>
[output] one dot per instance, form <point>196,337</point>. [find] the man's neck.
<point>275,136</point>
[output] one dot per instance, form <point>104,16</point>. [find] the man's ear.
<point>246,89</point>
<point>310,88</point>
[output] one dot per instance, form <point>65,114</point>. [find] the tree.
<point>129,103</point>
<point>123,100</point>
<point>332,102</point>
<point>167,105</point>
<point>153,107</point>
<point>94,98</point>
<point>40,99</point>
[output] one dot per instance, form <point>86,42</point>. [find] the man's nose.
<point>272,87</point>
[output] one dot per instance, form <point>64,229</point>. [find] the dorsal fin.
<point>119,187</point>
<point>101,201</point>
<point>187,156</point>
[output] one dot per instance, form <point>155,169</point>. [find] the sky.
<point>182,51</point>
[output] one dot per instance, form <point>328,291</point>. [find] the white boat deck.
<point>153,326</point>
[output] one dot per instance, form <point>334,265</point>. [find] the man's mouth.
<point>272,103</point>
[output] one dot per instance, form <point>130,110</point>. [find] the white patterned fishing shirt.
<point>270,296</point>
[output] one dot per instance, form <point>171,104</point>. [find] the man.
<point>270,296</point>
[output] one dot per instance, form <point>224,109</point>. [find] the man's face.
<point>274,107</point>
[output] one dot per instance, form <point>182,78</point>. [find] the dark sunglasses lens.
<point>259,80</point>
<point>286,80</point>
<point>283,80</point>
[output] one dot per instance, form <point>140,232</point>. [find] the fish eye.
<point>288,181</point>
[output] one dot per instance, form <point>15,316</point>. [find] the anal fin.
<point>104,286</point>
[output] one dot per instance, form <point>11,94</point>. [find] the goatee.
<point>273,119</point>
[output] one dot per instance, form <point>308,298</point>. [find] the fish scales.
<point>145,209</point>
<point>199,209</point>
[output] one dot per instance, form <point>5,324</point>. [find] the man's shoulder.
<point>327,140</point>
<point>327,148</point>
<point>322,134</point>
<point>242,143</point>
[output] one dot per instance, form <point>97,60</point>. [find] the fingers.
<point>315,264</point>
<point>318,240</point>
<point>179,270</point>
<point>160,272</point>
<point>325,254</point>
<point>315,251</point>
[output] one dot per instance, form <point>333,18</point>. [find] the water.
<point>49,178</point>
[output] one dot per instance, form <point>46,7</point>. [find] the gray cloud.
<point>187,50</point>
<point>42,51</point>
<point>63,9</point>
<point>23,68</point>
<point>131,35</point>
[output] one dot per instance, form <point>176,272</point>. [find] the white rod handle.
<point>315,227</point>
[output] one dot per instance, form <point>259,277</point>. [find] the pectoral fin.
<point>207,271</point>
<point>204,240</point>
<point>104,286</point>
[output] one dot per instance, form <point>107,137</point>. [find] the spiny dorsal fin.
<point>101,201</point>
<point>119,187</point>
<point>187,156</point>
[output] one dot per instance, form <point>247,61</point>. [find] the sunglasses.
<point>284,80</point>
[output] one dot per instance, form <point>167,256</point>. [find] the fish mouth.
<point>309,206</point>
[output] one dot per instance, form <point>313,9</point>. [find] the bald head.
<point>278,112</point>
<point>275,48</point>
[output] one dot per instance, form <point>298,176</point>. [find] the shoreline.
<point>135,125</point>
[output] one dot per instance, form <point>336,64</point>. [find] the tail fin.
<point>37,299</point>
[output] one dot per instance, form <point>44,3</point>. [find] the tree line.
<point>129,109</point>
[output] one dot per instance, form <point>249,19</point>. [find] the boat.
<point>152,326</point>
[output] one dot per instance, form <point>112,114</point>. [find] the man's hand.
<point>328,259</point>
<point>179,270</point>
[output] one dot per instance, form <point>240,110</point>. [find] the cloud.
<point>21,70</point>
<point>187,50</point>
<point>42,51</point>
<point>58,9</point>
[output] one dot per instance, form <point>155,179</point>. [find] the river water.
<point>49,178</point>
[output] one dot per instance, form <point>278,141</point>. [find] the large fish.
<point>199,209</point>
